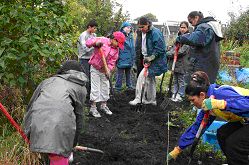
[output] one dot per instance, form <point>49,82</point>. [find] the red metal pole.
<point>12,121</point>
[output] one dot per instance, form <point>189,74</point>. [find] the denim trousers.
<point>179,84</point>
<point>119,78</point>
<point>86,67</point>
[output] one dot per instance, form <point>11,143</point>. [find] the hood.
<point>205,20</point>
<point>215,25</point>
<point>151,27</point>
<point>125,24</point>
<point>75,77</point>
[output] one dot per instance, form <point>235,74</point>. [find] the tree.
<point>238,28</point>
<point>37,35</point>
<point>103,11</point>
<point>238,31</point>
<point>150,16</point>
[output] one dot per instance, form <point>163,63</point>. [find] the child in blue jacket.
<point>126,58</point>
<point>227,102</point>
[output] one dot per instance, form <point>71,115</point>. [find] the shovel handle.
<point>12,121</point>
<point>81,148</point>
<point>146,67</point>
<point>95,150</point>
<point>175,56</point>
<point>103,60</point>
<point>203,124</point>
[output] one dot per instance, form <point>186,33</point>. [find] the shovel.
<point>198,135</point>
<point>81,148</point>
<point>166,101</point>
<point>140,105</point>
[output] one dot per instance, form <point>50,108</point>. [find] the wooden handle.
<point>103,60</point>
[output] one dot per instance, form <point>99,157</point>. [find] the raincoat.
<point>110,53</point>
<point>126,56</point>
<point>205,47</point>
<point>155,46</point>
<point>53,119</point>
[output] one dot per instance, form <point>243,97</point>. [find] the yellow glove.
<point>209,104</point>
<point>173,154</point>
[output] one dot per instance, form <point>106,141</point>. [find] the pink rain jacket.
<point>111,54</point>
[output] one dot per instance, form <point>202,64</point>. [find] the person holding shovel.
<point>227,102</point>
<point>53,120</point>
<point>181,65</point>
<point>101,68</point>
<point>153,51</point>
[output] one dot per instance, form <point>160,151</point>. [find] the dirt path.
<point>129,137</point>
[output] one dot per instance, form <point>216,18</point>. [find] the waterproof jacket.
<point>155,46</point>
<point>110,53</point>
<point>237,109</point>
<point>53,120</point>
<point>205,47</point>
<point>126,56</point>
<point>182,58</point>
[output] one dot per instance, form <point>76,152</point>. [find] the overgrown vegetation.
<point>36,36</point>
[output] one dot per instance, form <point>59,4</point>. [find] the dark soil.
<point>129,137</point>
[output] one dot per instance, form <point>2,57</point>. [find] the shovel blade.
<point>95,150</point>
<point>189,160</point>
<point>165,103</point>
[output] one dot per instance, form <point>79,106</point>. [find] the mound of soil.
<point>131,137</point>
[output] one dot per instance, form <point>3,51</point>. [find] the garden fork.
<point>166,101</point>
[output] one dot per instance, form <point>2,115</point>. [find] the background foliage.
<point>37,35</point>
<point>150,16</point>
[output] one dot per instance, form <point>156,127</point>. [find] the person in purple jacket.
<point>227,102</point>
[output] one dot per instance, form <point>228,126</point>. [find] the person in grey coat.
<point>53,119</point>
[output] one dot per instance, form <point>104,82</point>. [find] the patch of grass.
<point>205,147</point>
<point>165,83</point>
<point>187,117</point>
<point>14,151</point>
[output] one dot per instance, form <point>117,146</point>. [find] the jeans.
<point>179,84</point>
<point>86,67</point>
<point>119,78</point>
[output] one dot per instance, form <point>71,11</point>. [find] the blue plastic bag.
<point>242,75</point>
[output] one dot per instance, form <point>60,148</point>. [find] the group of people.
<point>54,115</point>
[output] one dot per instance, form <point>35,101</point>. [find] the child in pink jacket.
<point>99,77</point>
